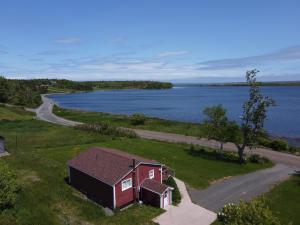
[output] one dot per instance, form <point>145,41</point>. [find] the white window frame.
<point>151,174</point>
<point>124,188</point>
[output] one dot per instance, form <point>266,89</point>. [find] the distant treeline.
<point>275,83</point>
<point>237,84</point>
<point>128,84</point>
<point>27,92</point>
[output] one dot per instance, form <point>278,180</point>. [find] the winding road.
<point>227,191</point>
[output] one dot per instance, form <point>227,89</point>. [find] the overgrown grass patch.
<point>14,113</point>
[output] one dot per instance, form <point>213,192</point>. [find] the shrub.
<point>213,154</point>
<point>106,129</point>
<point>138,119</point>
<point>9,187</point>
<point>254,212</point>
<point>257,159</point>
<point>279,145</point>
<point>176,197</point>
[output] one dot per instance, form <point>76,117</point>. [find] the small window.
<point>126,184</point>
<point>151,174</point>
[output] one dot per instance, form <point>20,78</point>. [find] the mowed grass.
<point>155,124</point>
<point>39,154</point>
<point>284,201</point>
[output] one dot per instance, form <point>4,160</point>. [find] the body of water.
<point>187,104</point>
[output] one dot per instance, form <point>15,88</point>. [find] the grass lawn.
<point>284,201</point>
<point>39,155</point>
<point>124,121</point>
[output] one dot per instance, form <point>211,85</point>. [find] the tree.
<point>8,187</point>
<point>254,115</point>
<point>217,126</point>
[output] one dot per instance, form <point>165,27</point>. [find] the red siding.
<point>123,197</point>
<point>142,173</point>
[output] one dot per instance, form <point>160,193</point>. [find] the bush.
<point>279,145</point>
<point>138,119</point>
<point>106,129</point>
<point>254,212</point>
<point>176,197</point>
<point>213,154</point>
<point>258,159</point>
<point>9,187</point>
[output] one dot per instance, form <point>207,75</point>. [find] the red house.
<point>116,179</point>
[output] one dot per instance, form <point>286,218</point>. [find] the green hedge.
<point>176,197</point>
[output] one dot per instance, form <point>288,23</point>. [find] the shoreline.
<point>292,140</point>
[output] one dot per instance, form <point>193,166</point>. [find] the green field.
<point>39,152</point>
<point>14,113</point>
<point>124,121</point>
<point>284,201</point>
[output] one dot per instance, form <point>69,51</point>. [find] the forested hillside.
<point>27,92</point>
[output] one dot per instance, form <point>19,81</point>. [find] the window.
<point>126,184</point>
<point>151,174</point>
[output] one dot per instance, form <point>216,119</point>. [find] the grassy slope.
<point>14,113</point>
<point>123,120</point>
<point>284,201</point>
<point>40,157</point>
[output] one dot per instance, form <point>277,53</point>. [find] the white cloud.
<point>69,40</point>
<point>120,66</point>
<point>171,53</point>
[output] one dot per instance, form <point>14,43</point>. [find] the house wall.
<point>149,197</point>
<point>123,197</point>
<point>143,173</point>
<point>96,190</point>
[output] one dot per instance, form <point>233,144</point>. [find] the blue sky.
<point>193,41</point>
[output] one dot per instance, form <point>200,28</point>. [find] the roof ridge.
<point>114,152</point>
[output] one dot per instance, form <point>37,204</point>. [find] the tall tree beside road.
<point>253,117</point>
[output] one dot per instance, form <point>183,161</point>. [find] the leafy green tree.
<point>254,212</point>
<point>8,187</point>
<point>254,115</point>
<point>217,126</point>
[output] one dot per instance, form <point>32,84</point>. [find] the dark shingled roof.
<point>105,164</point>
<point>155,186</point>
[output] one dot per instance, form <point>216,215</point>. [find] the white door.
<point>166,199</point>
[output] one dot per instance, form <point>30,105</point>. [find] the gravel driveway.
<point>240,187</point>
